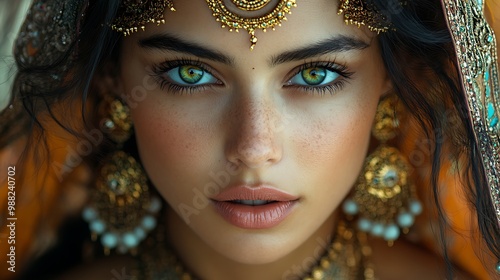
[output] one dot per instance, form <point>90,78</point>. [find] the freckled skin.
<point>307,145</point>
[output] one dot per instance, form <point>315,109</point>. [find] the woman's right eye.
<point>189,75</point>
<point>314,76</point>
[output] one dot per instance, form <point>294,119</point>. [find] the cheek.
<point>338,141</point>
<point>170,146</point>
<point>331,151</point>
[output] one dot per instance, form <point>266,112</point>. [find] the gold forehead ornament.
<point>364,13</point>
<point>135,14</point>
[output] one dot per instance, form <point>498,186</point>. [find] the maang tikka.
<point>249,15</point>
<point>384,198</point>
<point>122,209</point>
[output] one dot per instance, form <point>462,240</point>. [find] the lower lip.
<point>254,217</point>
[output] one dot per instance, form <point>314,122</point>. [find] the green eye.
<point>191,74</point>
<point>313,76</point>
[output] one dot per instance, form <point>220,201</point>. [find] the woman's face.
<point>217,123</point>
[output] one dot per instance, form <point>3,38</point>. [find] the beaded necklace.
<point>345,258</point>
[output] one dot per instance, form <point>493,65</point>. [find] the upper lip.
<point>253,192</point>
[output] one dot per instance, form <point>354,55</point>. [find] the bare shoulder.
<point>115,267</point>
<point>405,260</point>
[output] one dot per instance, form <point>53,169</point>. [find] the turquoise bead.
<point>148,222</point>
<point>89,214</point>
<point>378,229</point>
<point>415,207</point>
<point>494,122</point>
<point>498,268</point>
<point>491,111</point>
<point>364,225</point>
<point>391,232</point>
<point>350,207</point>
<point>140,233</point>
<point>130,240</point>
<point>155,205</point>
<point>405,220</point>
<point>98,226</point>
<point>109,240</point>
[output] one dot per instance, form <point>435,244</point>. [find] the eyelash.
<point>164,67</point>
<point>332,88</point>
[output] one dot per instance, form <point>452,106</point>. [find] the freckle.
<point>253,68</point>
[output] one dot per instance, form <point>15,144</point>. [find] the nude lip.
<point>256,216</point>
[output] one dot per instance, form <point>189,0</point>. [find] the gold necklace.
<point>347,257</point>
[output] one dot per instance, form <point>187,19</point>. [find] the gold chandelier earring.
<point>122,210</point>
<point>384,199</point>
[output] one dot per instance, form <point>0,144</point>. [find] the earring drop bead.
<point>364,225</point>
<point>148,222</point>
<point>109,240</point>
<point>416,207</point>
<point>391,232</point>
<point>89,214</point>
<point>140,233</point>
<point>130,240</point>
<point>377,229</point>
<point>155,205</point>
<point>405,220</point>
<point>97,226</point>
<point>350,207</point>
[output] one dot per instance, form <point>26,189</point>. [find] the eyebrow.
<point>340,43</point>
<point>172,43</point>
<point>335,44</point>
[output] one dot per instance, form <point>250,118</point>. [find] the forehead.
<point>310,22</point>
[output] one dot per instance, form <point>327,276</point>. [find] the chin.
<point>253,246</point>
<point>258,250</point>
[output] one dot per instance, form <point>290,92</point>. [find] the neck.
<point>206,263</point>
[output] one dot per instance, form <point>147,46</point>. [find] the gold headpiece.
<point>134,14</point>
<point>360,12</point>
<point>235,22</point>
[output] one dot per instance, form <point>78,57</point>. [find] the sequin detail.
<point>48,33</point>
<point>477,58</point>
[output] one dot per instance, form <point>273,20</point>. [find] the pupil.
<point>190,74</point>
<point>314,76</point>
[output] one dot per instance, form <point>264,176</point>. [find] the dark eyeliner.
<point>158,70</point>
<point>332,88</point>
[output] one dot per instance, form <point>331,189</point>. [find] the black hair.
<point>418,55</point>
<point>421,43</point>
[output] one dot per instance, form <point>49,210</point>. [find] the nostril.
<point>257,153</point>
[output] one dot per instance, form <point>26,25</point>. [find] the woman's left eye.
<point>189,75</point>
<point>314,76</point>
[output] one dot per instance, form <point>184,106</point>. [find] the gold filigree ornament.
<point>122,209</point>
<point>249,15</point>
<point>135,14</point>
<point>363,12</point>
<point>229,17</point>
<point>384,199</point>
<point>476,49</point>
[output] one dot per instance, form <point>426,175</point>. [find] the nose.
<point>254,132</point>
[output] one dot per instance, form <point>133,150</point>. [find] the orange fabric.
<point>465,246</point>
<point>38,196</point>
